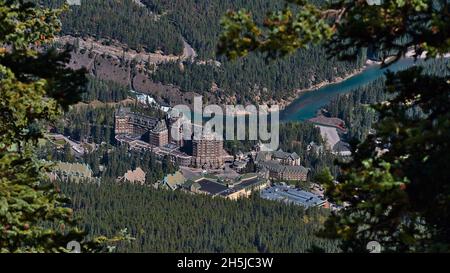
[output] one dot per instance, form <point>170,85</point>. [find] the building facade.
<point>284,158</point>
<point>176,130</point>
<point>133,124</point>
<point>281,165</point>
<point>278,171</point>
<point>290,159</point>
<point>159,136</point>
<point>145,133</point>
<point>207,151</point>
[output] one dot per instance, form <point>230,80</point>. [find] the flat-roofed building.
<point>245,186</point>
<point>242,187</point>
<point>293,196</point>
<point>206,185</point>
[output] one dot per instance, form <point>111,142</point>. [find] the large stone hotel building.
<point>207,151</point>
<point>148,133</point>
<point>133,124</point>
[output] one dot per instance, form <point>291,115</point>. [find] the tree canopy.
<point>34,87</point>
<point>396,189</point>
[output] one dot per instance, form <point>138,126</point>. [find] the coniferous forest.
<point>166,221</point>
<point>58,104</point>
<point>356,107</point>
<point>114,19</point>
<point>162,24</point>
<point>104,91</point>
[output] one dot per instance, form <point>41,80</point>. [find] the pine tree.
<point>34,87</point>
<point>396,189</point>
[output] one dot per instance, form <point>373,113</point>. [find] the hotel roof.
<point>75,169</point>
<point>276,166</point>
<point>329,121</point>
<point>160,127</point>
<point>292,195</point>
<point>174,180</point>
<point>285,155</point>
<point>210,186</point>
<point>138,175</point>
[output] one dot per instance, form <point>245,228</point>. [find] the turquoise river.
<point>307,104</point>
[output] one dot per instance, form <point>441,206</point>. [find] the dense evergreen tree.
<point>114,20</point>
<point>249,80</point>
<point>88,123</point>
<point>167,221</point>
<point>162,23</point>
<point>104,91</point>
<point>396,188</point>
<point>34,85</point>
<point>355,107</point>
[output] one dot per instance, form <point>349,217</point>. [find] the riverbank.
<point>282,104</point>
<point>306,104</point>
<point>297,92</point>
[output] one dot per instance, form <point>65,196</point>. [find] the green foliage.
<point>397,185</point>
<point>294,137</point>
<point>395,190</point>
<point>173,221</point>
<point>121,159</point>
<point>95,123</point>
<point>33,85</point>
<point>355,107</point>
<point>104,91</point>
<point>162,23</point>
<point>87,123</point>
<point>284,31</point>
<point>391,28</point>
<point>253,80</point>
<point>113,20</point>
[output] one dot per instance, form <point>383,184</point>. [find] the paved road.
<point>77,147</point>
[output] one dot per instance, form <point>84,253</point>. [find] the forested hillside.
<point>166,221</point>
<point>123,20</point>
<point>199,21</point>
<point>254,80</point>
<point>249,80</point>
<point>104,91</point>
<point>356,107</point>
<point>162,24</point>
